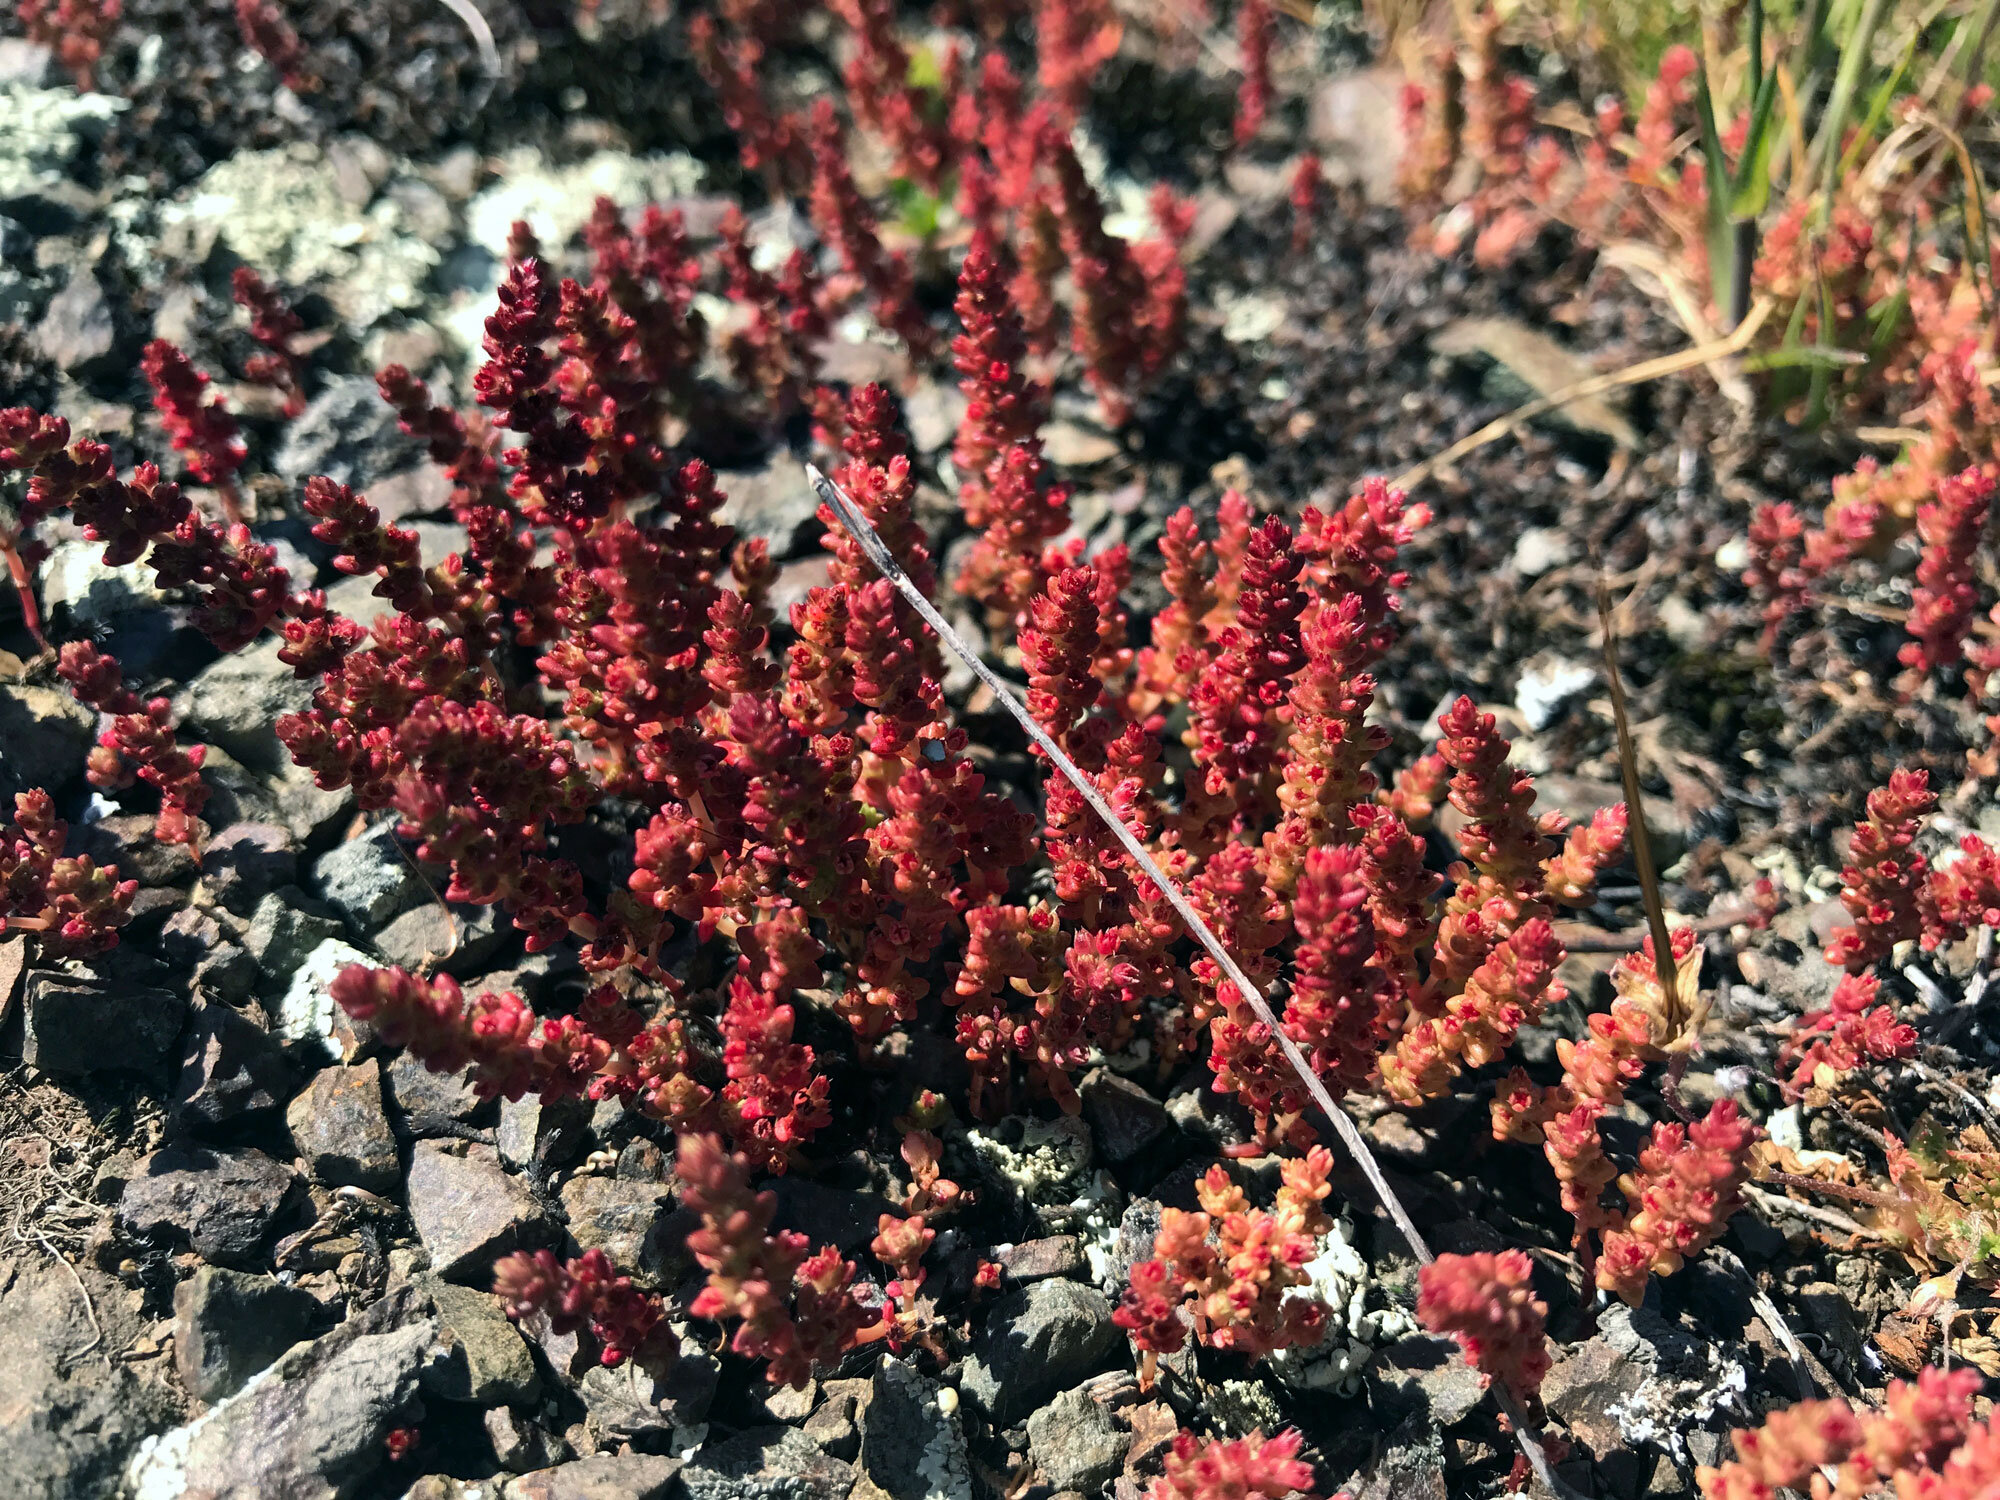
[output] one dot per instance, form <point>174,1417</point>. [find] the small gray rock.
<point>283,930</point>
<point>1124,1118</point>
<point>226,973</point>
<point>911,1446</point>
<point>236,703</point>
<point>459,939</point>
<point>623,1220</point>
<point>532,1133</point>
<point>1136,1232</point>
<point>1038,1260</point>
<point>367,879</point>
<point>232,1070</point>
<point>44,736</point>
<point>486,1359</point>
<point>627,1404</point>
<point>221,1201</point>
<point>468,1211</point>
<point>348,433</point>
<point>519,1443</point>
<point>1582,1385</point>
<point>832,1426</point>
<point>1210,1119</point>
<point>433,1103</point>
<point>245,862</point>
<point>1034,1342</point>
<point>1075,1443</point>
<point>608,1476</point>
<point>79,586</point>
<point>342,1131</point>
<point>1427,1377</point>
<point>126,840</point>
<point>773,504</point>
<point>79,331</point>
<point>305,1014</point>
<point>77,1025</point>
<point>228,1326</point>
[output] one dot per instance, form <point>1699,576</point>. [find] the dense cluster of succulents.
<point>798,800</point>
<point>1921,1442</point>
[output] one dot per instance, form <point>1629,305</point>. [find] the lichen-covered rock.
<point>1075,1444</point>
<point>43,130</point>
<point>368,879</point>
<point>284,211</point>
<point>912,1443</point>
<point>283,932</point>
<point>767,1463</point>
<point>305,1011</point>
<point>311,1427</point>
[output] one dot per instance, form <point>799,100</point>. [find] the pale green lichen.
<point>1341,1278</point>
<point>41,132</point>
<point>1048,1172</point>
<point>283,212</point>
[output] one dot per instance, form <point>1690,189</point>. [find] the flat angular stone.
<point>1034,1342</point>
<point>432,1103</point>
<point>232,1070</point>
<point>342,1131</point>
<point>229,1325</point>
<point>486,1361</point>
<point>222,1201</point>
<point>608,1476</point>
<point>468,1211</point>
<point>78,1026</point>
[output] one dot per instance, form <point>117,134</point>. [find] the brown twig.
<point>871,543</point>
<point>1639,374</point>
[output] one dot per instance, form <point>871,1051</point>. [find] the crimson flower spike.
<point>877,553</point>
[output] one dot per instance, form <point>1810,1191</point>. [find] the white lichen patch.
<point>1045,1167</point>
<point>1241,1407</point>
<point>556,201</point>
<point>42,130</point>
<point>283,212</point>
<point>1340,1278</point>
<point>1687,1381</point>
<point>305,1014</point>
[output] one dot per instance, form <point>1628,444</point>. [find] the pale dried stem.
<point>866,538</point>
<point>1596,385</point>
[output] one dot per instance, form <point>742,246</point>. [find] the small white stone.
<point>1547,686</point>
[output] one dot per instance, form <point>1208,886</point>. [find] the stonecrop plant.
<point>816,809</point>
<point>799,802</point>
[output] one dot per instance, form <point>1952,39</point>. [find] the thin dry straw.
<point>865,536</point>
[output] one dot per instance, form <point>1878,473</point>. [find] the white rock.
<point>1546,686</point>
<point>305,1014</point>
